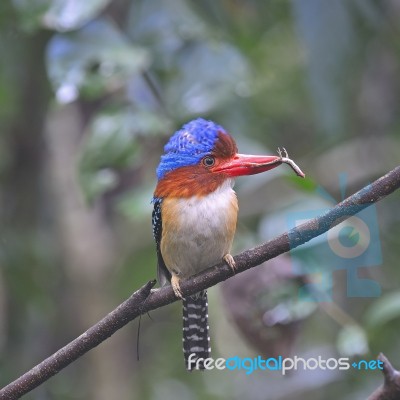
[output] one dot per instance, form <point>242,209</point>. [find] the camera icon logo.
<point>351,240</point>
<point>353,245</point>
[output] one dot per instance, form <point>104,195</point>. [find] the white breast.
<point>200,230</point>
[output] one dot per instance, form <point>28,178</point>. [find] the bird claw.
<point>230,261</point>
<point>176,286</point>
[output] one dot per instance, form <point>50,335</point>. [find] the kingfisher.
<point>194,216</point>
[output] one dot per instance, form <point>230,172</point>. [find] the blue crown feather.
<point>189,145</point>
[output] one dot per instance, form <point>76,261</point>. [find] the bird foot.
<point>230,261</point>
<point>176,286</point>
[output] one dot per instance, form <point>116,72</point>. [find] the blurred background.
<point>91,90</point>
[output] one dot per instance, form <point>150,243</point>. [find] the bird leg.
<point>176,287</point>
<point>230,261</point>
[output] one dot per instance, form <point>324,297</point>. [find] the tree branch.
<point>145,299</point>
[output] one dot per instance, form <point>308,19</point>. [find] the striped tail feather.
<point>196,339</point>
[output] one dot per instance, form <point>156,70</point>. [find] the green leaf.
<point>202,72</point>
<point>93,61</point>
<point>165,26</point>
<point>208,76</point>
<point>98,182</point>
<point>110,142</point>
<point>31,12</point>
<point>306,185</point>
<point>112,145</point>
<point>65,15</point>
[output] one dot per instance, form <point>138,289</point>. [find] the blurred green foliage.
<point>89,93</point>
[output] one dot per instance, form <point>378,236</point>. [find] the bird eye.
<point>209,161</point>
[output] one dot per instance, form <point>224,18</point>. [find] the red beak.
<point>243,164</point>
